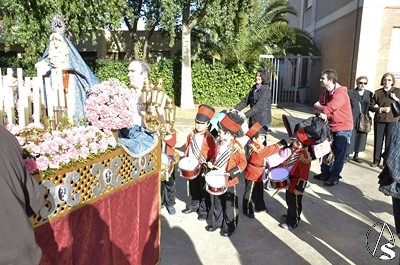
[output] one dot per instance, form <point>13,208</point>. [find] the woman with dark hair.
<point>259,100</point>
<point>384,121</point>
<point>360,99</point>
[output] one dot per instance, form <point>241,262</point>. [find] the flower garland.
<point>110,106</point>
<point>46,151</point>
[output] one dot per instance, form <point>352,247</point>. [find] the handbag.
<point>364,122</point>
<point>395,106</point>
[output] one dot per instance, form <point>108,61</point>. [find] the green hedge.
<point>212,83</point>
<point>219,86</point>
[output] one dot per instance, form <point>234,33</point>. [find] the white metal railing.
<point>24,100</point>
<point>291,73</point>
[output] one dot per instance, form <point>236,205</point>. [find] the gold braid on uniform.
<point>237,148</point>
<point>250,196</point>
<point>253,148</point>
<point>235,217</point>
<point>305,160</point>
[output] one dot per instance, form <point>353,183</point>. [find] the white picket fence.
<point>25,97</point>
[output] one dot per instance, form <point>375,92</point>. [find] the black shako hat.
<point>232,123</point>
<point>307,135</point>
<point>205,113</point>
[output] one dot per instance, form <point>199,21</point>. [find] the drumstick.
<point>274,193</point>
<point>309,194</point>
<point>304,193</point>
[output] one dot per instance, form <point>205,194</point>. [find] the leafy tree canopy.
<point>255,27</point>
<point>27,23</point>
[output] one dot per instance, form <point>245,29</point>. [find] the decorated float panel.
<point>101,171</point>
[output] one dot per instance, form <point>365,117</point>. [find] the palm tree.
<point>262,32</point>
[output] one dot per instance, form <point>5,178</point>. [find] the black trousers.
<point>200,198</point>
<point>223,212</point>
<point>396,213</point>
<point>167,190</point>
<point>253,197</point>
<point>382,131</point>
<point>294,204</point>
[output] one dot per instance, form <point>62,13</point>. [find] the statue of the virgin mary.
<point>77,76</point>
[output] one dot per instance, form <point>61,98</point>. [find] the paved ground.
<point>333,230</point>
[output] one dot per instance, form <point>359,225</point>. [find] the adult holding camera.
<point>384,120</point>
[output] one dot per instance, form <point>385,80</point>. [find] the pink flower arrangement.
<point>110,106</point>
<point>46,151</point>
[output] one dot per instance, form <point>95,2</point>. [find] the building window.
<point>394,53</point>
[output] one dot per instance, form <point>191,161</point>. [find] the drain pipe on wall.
<point>354,45</point>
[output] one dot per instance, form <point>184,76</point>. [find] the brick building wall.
<point>354,36</point>
<point>335,41</point>
<point>390,20</point>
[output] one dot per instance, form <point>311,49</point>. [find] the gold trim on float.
<point>68,189</point>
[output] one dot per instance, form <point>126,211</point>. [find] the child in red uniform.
<point>199,145</point>
<point>298,175</point>
<point>228,157</point>
<point>253,197</point>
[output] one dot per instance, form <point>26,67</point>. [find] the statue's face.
<point>136,75</point>
<point>56,40</point>
<point>58,51</point>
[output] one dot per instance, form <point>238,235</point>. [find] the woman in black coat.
<point>360,99</point>
<point>259,99</point>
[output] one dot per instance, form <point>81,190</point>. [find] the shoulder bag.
<point>395,106</point>
<point>364,122</point>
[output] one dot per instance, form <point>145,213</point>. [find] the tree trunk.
<point>186,79</point>
<point>132,51</point>
<point>146,44</point>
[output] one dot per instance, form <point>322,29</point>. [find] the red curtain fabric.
<point>119,228</point>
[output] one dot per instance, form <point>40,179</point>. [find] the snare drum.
<point>189,167</point>
<point>216,182</point>
<point>279,178</point>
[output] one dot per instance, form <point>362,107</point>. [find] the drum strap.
<point>223,158</point>
<point>291,160</point>
<point>197,151</point>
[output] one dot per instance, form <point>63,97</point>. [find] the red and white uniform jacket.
<point>256,165</point>
<point>230,158</point>
<point>205,142</point>
<point>299,173</point>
